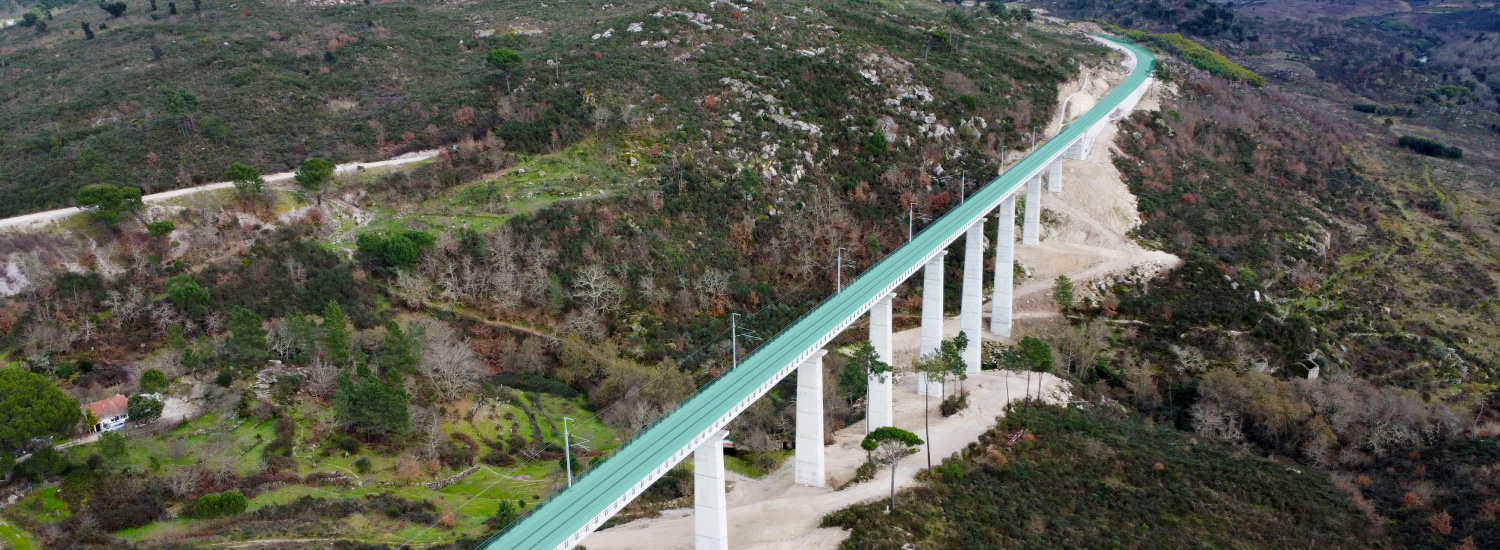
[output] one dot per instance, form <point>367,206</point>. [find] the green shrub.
<point>362,465</point>
<point>954,403</point>
<point>344,443</point>
<point>160,229</point>
<point>1384,110</point>
<point>1430,147</point>
<point>498,458</point>
<point>227,503</point>
<point>505,513</point>
<point>44,463</point>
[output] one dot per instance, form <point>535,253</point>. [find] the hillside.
<point>388,357</point>
<point>574,250</point>
<point>1076,479</point>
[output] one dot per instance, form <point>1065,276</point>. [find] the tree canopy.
<point>187,295</point>
<point>246,179</point>
<point>1035,354</point>
<point>144,408</point>
<point>364,405</point>
<point>31,406</point>
<point>504,60</point>
<point>108,203</point>
<point>248,341</point>
<point>314,175</point>
<point>888,445</point>
<point>336,334</point>
<point>160,229</point>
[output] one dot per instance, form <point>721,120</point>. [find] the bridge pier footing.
<point>809,450</point>
<point>1005,269</point>
<point>878,408</point>
<point>710,512</point>
<point>932,320</point>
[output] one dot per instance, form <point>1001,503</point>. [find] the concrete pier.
<point>810,422</point>
<point>932,319</point>
<point>971,317</point>
<point>710,513</point>
<point>878,409</point>
<point>1031,230</point>
<point>1054,176</point>
<point>1001,299</point>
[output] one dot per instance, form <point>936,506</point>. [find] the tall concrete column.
<point>932,319</point>
<point>878,408</point>
<point>810,421</point>
<point>971,318</point>
<point>1031,230</point>
<point>1005,269</point>
<point>710,513</point>
<point>1054,176</point>
<point>1076,150</point>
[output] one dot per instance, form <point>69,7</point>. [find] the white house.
<point>109,414</point>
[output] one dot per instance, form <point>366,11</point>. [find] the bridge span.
<point>696,427</point>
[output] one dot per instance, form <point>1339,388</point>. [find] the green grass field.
<point>12,538</point>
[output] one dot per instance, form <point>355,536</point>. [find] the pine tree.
<point>364,405</point>
<point>336,334</point>
<point>248,343</point>
<point>398,354</point>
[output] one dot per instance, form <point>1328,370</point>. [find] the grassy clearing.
<point>43,507</point>
<point>13,538</point>
<point>758,466</point>
<point>590,168</point>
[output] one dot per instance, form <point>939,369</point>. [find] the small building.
<point>108,414</point>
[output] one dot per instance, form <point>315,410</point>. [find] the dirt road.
<point>33,221</point>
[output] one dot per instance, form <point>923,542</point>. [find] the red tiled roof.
<point>105,408</point>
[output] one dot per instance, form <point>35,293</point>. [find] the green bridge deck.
<point>551,524</point>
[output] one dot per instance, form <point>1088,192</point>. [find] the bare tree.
<point>182,481</point>
<point>711,286</point>
<point>532,356</point>
<point>413,288</point>
<point>449,366</point>
<point>595,287</point>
